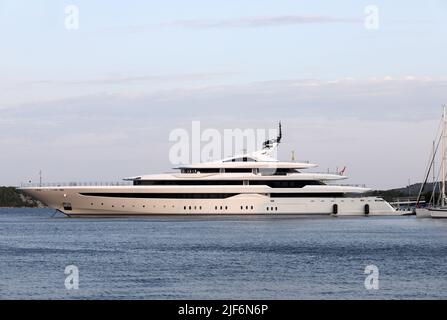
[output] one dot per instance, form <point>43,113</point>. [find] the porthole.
<point>215,208</point>
<point>246,207</point>
<point>184,208</point>
<point>144,206</point>
<point>220,207</point>
<point>91,203</point>
<point>102,203</point>
<point>113,206</point>
<point>189,207</point>
<point>276,208</point>
<point>200,208</point>
<point>226,208</point>
<point>251,208</point>
<point>267,208</point>
<point>242,207</point>
<point>122,206</point>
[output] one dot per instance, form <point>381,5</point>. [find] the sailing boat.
<point>435,209</point>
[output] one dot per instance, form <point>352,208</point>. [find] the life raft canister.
<point>366,208</point>
<point>335,208</point>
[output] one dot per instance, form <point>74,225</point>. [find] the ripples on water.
<point>220,257</point>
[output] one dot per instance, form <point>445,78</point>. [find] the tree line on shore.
<point>11,197</point>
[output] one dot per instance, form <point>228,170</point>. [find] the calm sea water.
<point>220,257</point>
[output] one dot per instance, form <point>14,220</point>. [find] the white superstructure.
<point>254,183</point>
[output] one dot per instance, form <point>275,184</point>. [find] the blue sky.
<point>135,70</point>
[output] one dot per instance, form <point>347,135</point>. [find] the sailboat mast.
<point>433,154</point>
<point>433,165</point>
<point>443,158</point>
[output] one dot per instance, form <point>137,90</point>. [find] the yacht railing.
<point>407,200</point>
<point>324,172</point>
<point>348,185</point>
<point>75,184</point>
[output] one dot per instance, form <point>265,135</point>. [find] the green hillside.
<point>11,197</point>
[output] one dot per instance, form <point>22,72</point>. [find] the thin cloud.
<point>244,22</point>
<point>266,21</point>
<point>134,79</point>
<point>372,99</point>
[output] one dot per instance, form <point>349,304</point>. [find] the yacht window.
<point>186,182</point>
<point>286,183</point>
<point>238,170</point>
<point>307,195</point>
<point>242,159</point>
<point>162,195</point>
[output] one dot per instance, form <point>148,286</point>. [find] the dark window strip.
<point>270,183</point>
<point>161,195</point>
<point>307,195</point>
<point>205,195</point>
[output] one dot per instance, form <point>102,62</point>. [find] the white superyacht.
<point>248,184</point>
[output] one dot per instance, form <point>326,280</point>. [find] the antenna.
<point>267,144</point>
<point>40,178</point>
<point>278,139</point>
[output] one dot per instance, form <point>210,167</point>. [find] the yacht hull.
<point>438,213</point>
<point>423,213</point>
<point>72,201</point>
